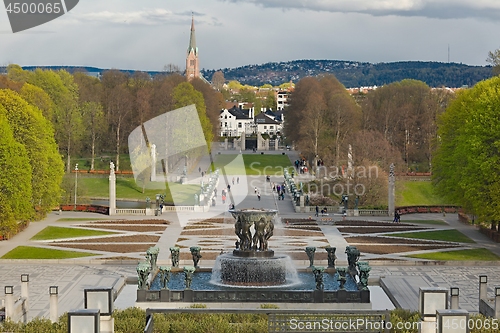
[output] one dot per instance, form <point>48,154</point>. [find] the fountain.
<point>252,272</point>
<point>252,263</point>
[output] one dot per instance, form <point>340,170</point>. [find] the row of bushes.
<point>132,320</point>
<point>86,208</point>
<point>427,209</point>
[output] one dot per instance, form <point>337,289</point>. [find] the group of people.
<point>301,165</point>
<point>324,211</point>
<point>257,192</point>
<point>280,189</point>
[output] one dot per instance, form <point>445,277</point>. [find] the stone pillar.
<point>392,186</point>
<point>225,144</point>
<point>483,287</point>
<point>112,189</point>
<point>243,141</point>
<point>153,162</point>
<point>266,144</point>
<point>25,278</point>
<point>54,304</point>
<point>9,302</point>
<point>454,298</point>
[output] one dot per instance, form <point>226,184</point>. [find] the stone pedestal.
<point>9,306</point>
<point>54,302</point>
<point>107,324</point>
<point>427,326</point>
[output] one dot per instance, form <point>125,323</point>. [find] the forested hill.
<point>350,73</point>
<point>358,74</point>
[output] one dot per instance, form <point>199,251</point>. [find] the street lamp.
<point>76,180</point>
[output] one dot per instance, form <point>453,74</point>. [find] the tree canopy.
<point>35,133</point>
<point>467,162</point>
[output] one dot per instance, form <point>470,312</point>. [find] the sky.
<point>149,34</point>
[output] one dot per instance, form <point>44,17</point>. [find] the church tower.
<point>192,61</point>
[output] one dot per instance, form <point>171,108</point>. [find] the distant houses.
<point>238,118</point>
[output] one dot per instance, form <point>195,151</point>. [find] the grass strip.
<point>60,232</point>
<point>31,252</point>
<point>459,255</point>
<point>439,235</point>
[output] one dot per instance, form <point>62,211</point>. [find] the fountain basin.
<point>254,271</point>
<point>204,291</point>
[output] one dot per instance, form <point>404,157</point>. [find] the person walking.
<point>258,195</point>
<point>317,211</point>
<point>238,180</point>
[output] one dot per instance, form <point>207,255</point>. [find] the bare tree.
<point>218,80</point>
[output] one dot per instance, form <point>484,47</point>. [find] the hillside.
<point>350,73</point>
<point>358,74</point>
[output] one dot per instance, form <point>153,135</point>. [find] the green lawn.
<point>413,193</point>
<point>440,235</point>
<point>30,252</point>
<point>60,232</point>
<point>254,165</point>
<point>469,255</point>
<point>126,188</point>
<point>435,222</point>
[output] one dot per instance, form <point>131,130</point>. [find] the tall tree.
<point>218,80</point>
<point>343,115</point>
<point>184,95</point>
<point>15,179</point>
<point>494,60</point>
<point>67,119</point>
<point>35,133</point>
<point>90,96</point>
<point>117,103</point>
<point>320,118</point>
<point>467,163</point>
<point>214,102</point>
<point>400,111</point>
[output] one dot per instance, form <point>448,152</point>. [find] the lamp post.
<point>76,180</point>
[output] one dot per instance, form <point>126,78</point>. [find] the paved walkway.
<point>402,280</point>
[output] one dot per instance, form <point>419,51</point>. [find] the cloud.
<point>141,17</point>
<point>444,9</point>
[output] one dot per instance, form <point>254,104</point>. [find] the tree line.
<point>396,123</point>
<point>47,117</point>
<point>94,116</point>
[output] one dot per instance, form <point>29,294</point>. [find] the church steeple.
<point>192,39</point>
<point>192,63</point>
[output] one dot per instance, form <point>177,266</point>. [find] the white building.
<point>267,125</point>
<point>234,121</point>
<point>281,100</point>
